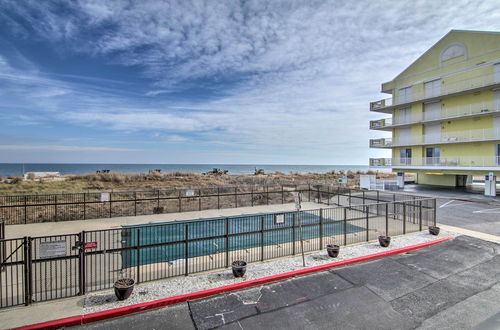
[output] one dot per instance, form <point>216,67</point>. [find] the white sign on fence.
<point>52,249</point>
<point>279,219</point>
<point>104,197</point>
<point>189,193</point>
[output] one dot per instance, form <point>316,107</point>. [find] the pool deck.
<point>70,227</point>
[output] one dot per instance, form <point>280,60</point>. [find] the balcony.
<point>447,88</point>
<point>380,162</point>
<point>381,143</point>
<point>474,135</point>
<point>463,162</point>
<point>462,111</point>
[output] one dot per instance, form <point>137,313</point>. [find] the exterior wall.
<point>481,47</point>
<point>437,180</point>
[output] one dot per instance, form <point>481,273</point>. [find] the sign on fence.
<point>189,193</point>
<point>90,245</point>
<point>279,219</point>
<point>105,197</point>
<point>52,249</point>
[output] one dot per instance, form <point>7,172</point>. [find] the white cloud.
<point>61,148</point>
<point>304,72</point>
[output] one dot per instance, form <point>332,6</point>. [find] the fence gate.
<point>55,267</point>
<point>13,268</point>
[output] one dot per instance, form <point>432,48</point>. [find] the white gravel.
<point>149,291</point>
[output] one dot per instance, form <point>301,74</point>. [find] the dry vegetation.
<point>155,180</point>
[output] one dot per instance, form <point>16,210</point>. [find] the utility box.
<point>401,180</point>
<point>490,185</point>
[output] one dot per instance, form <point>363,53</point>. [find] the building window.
<point>432,156</point>
<point>405,156</point>
<point>433,88</point>
<point>405,95</point>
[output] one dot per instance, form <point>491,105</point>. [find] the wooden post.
<point>251,194</point>
<point>199,199</point>
<point>236,197</point>
<point>218,198</point>
<point>282,195</point>
<point>180,203</point>
<point>110,204</point>
<point>135,203</point>
<point>25,210</point>
<point>55,207</point>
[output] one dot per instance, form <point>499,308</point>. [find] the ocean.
<point>19,169</point>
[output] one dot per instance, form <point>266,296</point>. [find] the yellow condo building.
<point>445,112</point>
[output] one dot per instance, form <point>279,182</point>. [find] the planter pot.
<point>333,250</point>
<point>239,268</point>
<point>384,241</point>
<point>433,230</point>
<point>124,288</point>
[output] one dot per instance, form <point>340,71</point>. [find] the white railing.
<point>380,162</point>
<point>386,122</point>
<point>380,143</point>
<point>461,161</point>
<point>465,110</point>
<point>473,135</point>
<point>445,89</point>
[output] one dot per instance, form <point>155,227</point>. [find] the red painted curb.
<point>116,312</point>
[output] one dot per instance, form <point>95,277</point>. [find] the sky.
<point>226,82</point>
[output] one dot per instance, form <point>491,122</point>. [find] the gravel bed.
<point>149,291</point>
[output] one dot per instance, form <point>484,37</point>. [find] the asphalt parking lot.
<point>452,285</point>
<point>469,215</point>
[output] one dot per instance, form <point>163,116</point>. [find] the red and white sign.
<point>90,245</point>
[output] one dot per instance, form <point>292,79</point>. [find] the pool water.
<point>213,231</point>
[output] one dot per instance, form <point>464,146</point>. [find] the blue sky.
<point>265,82</point>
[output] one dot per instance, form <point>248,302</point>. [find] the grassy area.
<point>125,181</point>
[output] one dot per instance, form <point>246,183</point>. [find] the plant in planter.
<point>434,230</point>
<point>239,268</point>
<point>333,250</point>
<point>124,288</point>
<point>158,210</point>
<point>384,241</point>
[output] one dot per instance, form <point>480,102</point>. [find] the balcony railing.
<point>462,161</point>
<point>473,135</point>
<point>465,110</point>
<point>381,143</point>
<point>446,88</point>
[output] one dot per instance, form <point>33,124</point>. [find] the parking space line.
<point>449,203</point>
<point>495,210</point>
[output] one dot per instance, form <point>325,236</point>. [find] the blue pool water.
<point>203,228</point>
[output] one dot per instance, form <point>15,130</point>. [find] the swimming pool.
<point>208,236</point>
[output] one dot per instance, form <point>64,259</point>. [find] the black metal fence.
<point>50,267</point>
<point>24,209</point>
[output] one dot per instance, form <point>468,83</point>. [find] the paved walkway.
<point>453,285</point>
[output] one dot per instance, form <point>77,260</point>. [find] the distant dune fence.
<point>43,268</point>
<point>24,209</point>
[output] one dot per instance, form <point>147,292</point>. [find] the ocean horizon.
<point>17,169</point>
